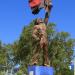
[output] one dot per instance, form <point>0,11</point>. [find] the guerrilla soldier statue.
<point>39,29</point>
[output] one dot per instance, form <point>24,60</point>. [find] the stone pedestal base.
<point>40,70</point>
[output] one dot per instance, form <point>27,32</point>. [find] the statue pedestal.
<point>40,70</point>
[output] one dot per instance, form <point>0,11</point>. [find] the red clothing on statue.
<point>34,3</point>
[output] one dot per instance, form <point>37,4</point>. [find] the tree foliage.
<point>2,54</point>
<point>60,47</point>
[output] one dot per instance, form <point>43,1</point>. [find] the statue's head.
<point>38,21</point>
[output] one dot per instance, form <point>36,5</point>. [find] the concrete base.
<point>40,70</point>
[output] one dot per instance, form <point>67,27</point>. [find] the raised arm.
<point>48,7</point>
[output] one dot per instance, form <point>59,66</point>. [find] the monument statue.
<point>40,35</point>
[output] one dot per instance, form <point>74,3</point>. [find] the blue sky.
<point>15,14</point>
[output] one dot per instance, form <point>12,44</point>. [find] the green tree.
<point>2,54</point>
<point>61,48</point>
<point>3,58</point>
